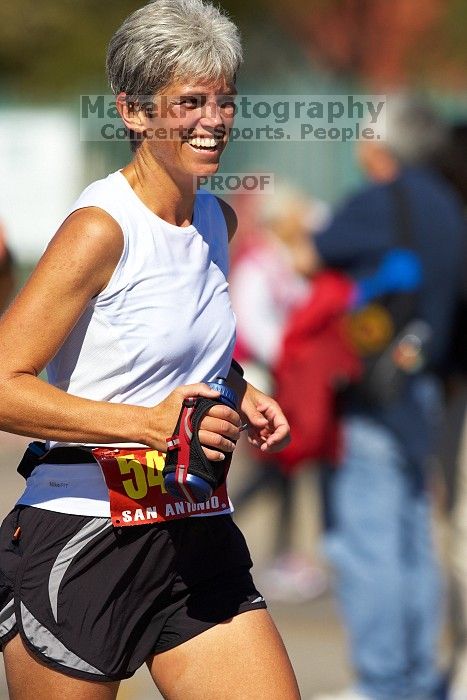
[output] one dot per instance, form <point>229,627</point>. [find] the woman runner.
<point>129,311</point>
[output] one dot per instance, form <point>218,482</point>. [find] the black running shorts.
<point>95,602</point>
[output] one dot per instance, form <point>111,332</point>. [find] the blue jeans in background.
<point>379,541</point>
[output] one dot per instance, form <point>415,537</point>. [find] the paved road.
<point>311,631</point>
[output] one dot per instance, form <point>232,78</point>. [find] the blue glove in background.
<point>400,271</point>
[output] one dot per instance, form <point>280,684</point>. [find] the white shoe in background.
<point>457,694</point>
<point>353,694</point>
<point>291,578</point>
<point>347,694</point>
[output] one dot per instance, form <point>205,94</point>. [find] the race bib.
<point>137,492</point>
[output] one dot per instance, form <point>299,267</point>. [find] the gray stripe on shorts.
<point>7,618</point>
<point>48,645</point>
<point>83,537</point>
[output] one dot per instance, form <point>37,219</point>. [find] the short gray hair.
<point>415,133</point>
<point>171,39</point>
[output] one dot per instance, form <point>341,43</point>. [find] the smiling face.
<point>189,126</point>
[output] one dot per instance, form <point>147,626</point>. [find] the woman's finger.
<point>222,427</point>
<point>215,442</point>
<point>212,455</point>
<point>199,389</point>
<point>223,412</point>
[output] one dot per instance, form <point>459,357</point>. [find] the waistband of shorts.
<point>69,455</point>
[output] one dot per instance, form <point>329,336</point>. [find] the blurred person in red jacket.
<point>269,279</point>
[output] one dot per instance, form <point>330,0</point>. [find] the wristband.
<point>237,367</point>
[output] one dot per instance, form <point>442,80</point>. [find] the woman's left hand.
<point>268,428</point>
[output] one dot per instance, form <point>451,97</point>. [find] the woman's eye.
<point>191,102</point>
<point>228,105</point>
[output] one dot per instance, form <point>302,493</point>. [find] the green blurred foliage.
<point>57,47</point>
<point>54,47</point>
<point>455,30</point>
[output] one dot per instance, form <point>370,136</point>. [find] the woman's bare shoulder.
<point>88,242</point>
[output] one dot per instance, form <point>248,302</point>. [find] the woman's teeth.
<point>199,142</point>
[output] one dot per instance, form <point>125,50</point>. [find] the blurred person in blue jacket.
<point>379,537</point>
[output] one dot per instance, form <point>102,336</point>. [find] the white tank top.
<point>163,320</point>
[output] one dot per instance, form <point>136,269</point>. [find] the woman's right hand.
<point>219,429</point>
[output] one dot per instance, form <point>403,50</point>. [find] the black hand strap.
<point>185,454</point>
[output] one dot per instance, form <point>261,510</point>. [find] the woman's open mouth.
<point>206,144</point>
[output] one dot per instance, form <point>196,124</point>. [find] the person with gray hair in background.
<point>103,567</point>
<point>378,534</point>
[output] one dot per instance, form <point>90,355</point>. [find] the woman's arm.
<point>268,428</point>
<point>76,266</point>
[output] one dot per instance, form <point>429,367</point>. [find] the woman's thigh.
<point>241,658</point>
<point>28,679</point>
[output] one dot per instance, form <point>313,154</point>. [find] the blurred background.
<point>54,51</point>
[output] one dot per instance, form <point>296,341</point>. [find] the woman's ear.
<point>131,113</point>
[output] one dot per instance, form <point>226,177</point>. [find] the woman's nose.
<point>212,114</point>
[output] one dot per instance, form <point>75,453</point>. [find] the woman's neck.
<point>170,199</point>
